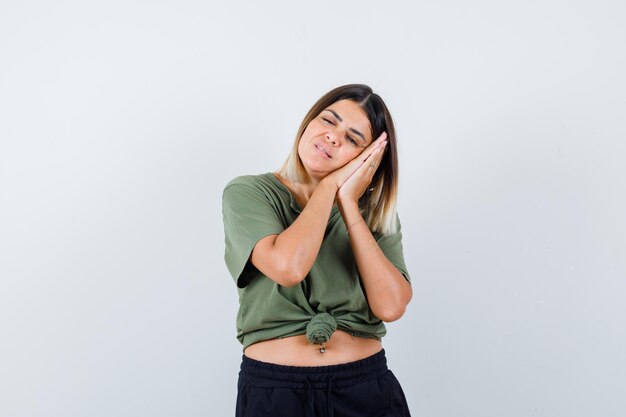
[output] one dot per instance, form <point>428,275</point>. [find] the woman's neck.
<point>302,191</point>
<point>306,189</point>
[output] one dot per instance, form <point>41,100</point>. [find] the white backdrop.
<point>121,121</point>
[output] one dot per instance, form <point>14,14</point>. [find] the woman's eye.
<point>351,140</point>
<point>327,121</point>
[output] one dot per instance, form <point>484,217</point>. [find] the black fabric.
<point>364,388</point>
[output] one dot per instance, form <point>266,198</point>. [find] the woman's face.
<point>335,137</point>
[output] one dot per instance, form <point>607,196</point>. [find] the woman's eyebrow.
<point>352,129</point>
<point>335,113</point>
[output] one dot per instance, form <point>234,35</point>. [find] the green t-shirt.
<point>255,206</point>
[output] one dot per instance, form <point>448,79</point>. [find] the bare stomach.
<point>297,351</point>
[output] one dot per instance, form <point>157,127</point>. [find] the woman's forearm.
<point>388,292</point>
<point>295,249</point>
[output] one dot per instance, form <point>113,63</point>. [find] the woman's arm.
<point>288,257</point>
<point>388,291</point>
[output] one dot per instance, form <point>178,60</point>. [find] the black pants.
<point>364,388</point>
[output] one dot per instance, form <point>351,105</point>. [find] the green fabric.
<point>320,328</point>
<point>255,206</point>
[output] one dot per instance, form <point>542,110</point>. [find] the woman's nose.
<point>331,137</point>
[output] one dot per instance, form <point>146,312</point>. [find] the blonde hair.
<point>378,203</point>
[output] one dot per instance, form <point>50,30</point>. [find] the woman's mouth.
<point>322,151</point>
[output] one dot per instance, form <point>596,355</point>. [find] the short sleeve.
<point>249,216</point>
<point>391,245</point>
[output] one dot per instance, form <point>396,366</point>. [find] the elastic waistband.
<point>273,375</point>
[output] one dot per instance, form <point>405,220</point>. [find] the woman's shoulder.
<point>250,180</point>
<point>260,185</point>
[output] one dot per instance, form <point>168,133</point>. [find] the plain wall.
<point>121,121</point>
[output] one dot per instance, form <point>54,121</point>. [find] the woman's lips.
<point>322,151</point>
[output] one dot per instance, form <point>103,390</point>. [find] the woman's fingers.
<point>373,160</point>
<point>361,162</point>
<point>369,163</point>
<point>382,136</point>
<point>358,180</point>
<point>377,156</point>
<point>368,151</point>
<point>355,185</point>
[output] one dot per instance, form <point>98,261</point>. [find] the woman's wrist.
<point>330,184</point>
<point>346,204</point>
<point>350,213</point>
<point>349,226</point>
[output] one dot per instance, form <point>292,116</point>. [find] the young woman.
<point>316,252</point>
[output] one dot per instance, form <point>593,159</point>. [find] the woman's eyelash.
<point>332,123</point>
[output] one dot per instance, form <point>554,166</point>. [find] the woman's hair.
<point>378,203</point>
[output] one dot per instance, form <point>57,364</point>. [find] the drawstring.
<point>329,397</point>
<point>311,396</point>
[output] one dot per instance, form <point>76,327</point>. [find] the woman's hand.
<point>358,166</point>
<point>366,165</point>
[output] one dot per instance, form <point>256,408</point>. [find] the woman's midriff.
<point>297,351</point>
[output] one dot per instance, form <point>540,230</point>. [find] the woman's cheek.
<point>358,151</point>
<point>345,159</point>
